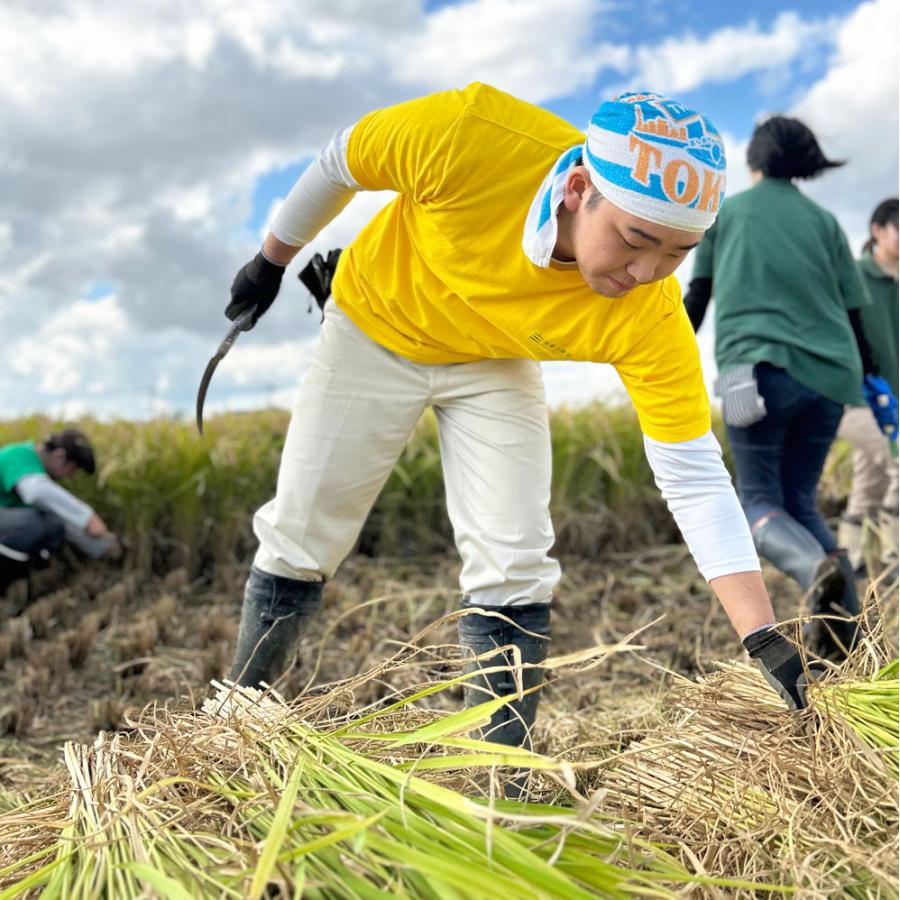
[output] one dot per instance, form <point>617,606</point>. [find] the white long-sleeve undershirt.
<point>320,193</point>
<point>698,490</point>
<point>42,492</point>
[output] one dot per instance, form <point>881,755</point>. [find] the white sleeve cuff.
<point>698,490</point>
<point>320,193</point>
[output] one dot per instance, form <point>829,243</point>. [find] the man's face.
<point>617,251</point>
<point>58,465</point>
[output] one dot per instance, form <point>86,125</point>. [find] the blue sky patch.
<point>97,290</point>
<point>275,183</point>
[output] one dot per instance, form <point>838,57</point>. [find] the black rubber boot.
<point>786,544</point>
<point>833,638</point>
<point>273,617</point>
<point>479,635</point>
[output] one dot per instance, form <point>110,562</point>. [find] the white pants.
<point>356,409</point>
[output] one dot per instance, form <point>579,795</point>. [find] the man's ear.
<point>578,185</point>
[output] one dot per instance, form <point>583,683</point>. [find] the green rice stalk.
<point>869,709</point>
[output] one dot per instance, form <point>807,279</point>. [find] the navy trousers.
<point>779,460</point>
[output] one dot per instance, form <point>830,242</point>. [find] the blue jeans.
<point>29,530</point>
<point>779,460</point>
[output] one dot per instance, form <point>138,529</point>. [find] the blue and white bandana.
<point>650,156</point>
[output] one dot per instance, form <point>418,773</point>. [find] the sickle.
<point>244,322</point>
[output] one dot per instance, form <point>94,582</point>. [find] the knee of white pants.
<point>493,576</point>
<point>495,446</point>
<point>283,551</point>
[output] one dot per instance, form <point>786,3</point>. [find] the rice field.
<point>663,765</point>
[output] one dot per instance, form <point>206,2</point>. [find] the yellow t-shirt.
<point>440,276</point>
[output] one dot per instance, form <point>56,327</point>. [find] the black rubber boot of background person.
<point>480,634</point>
<point>833,638</point>
<point>11,571</point>
<point>791,548</point>
<point>275,613</point>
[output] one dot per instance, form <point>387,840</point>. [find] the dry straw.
<point>245,800</point>
<point>249,797</point>
<point>742,787</point>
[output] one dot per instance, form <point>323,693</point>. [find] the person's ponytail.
<point>785,148</point>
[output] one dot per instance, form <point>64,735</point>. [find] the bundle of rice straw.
<point>747,789</point>
<point>247,798</point>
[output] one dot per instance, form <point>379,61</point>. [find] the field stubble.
<point>101,644</point>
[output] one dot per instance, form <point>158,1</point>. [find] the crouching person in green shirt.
<point>37,514</point>
<point>789,348</point>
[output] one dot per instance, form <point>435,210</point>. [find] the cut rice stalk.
<point>869,709</point>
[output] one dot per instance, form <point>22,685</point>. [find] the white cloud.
<point>737,175</point>
<point>531,48</point>
<point>68,347</point>
<point>134,139</point>
<point>5,238</point>
<point>684,63</point>
<point>92,357</point>
<point>853,109</point>
<point>134,136</point>
<point>578,383</point>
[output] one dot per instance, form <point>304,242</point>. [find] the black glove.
<point>781,665</point>
<point>254,287</point>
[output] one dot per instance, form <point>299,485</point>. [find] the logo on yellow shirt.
<point>552,349</point>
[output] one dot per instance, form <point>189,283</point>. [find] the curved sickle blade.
<point>244,322</point>
<point>204,384</point>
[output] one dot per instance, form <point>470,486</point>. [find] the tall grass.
<point>184,500</point>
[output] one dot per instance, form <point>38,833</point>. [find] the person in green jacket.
<point>788,338</point>
<point>874,487</point>
<point>37,514</point>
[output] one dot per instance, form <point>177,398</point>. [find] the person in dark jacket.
<point>791,354</point>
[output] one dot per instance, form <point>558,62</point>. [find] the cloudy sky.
<point>145,146</point>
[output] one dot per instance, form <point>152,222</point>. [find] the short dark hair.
<point>785,148</point>
<point>886,213</point>
<point>76,446</point>
<point>593,199</point>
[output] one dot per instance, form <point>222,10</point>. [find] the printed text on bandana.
<point>680,180</point>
